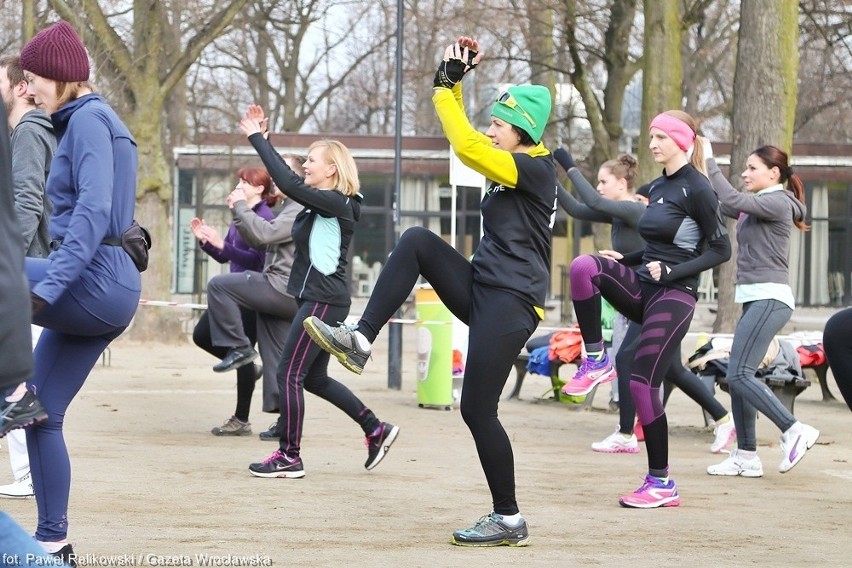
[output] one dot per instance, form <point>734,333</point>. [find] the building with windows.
<point>204,174</point>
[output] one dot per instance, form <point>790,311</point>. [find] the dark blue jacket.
<point>92,185</point>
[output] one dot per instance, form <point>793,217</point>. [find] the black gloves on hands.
<point>451,72</point>
<point>37,303</point>
<point>565,159</point>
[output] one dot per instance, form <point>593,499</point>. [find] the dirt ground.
<point>149,481</point>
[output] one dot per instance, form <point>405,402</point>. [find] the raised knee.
<point>583,264</point>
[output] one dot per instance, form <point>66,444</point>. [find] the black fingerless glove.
<point>37,303</point>
<point>565,159</point>
<point>449,73</point>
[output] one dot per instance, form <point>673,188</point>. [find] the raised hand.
<point>459,58</point>
<point>565,159</point>
<point>254,121</point>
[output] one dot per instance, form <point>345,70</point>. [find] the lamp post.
<point>395,330</point>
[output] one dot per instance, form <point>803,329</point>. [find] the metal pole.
<point>395,331</point>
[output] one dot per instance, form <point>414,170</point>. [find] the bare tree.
<point>135,47</point>
<point>825,72</point>
<point>662,75</point>
<point>708,50</point>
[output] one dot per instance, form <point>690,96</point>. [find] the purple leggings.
<point>664,314</point>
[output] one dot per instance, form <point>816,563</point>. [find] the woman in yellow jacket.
<point>499,294</point>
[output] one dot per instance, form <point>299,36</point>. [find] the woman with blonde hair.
<point>615,202</point>
<point>318,281</point>
<point>684,236</point>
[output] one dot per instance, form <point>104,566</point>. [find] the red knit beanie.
<point>56,53</point>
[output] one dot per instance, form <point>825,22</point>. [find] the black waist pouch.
<point>136,242</point>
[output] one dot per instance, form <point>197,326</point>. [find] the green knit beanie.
<point>524,106</point>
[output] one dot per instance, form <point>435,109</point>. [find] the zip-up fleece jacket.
<point>764,223</point>
<point>33,145</point>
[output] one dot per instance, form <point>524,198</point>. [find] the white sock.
<point>747,454</point>
<point>51,547</point>
<point>18,394</point>
<point>794,429</point>
<point>363,344</point>
<point>513,520</point>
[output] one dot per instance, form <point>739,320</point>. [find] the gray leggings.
<point>761,320</point>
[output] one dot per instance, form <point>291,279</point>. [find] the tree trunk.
<point>662,74</point>
<point>154,211</point>
<point>767,63</point>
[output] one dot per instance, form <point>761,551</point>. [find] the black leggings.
<point>499,324</point>
<point>664,314</point>
<point>247,374</point>
<point>837,340</point>
<point>676,374</point>
<point>304,367</point>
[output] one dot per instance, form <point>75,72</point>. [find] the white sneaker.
<point>794,443</point>
<point>20,489</point>
<point>737,464</point>
<point>616,443</point>
<point>723,434</point>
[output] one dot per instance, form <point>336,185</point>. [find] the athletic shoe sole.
<point>222,433</point>
<point>668,502</point>
<point>616,451</point>
<point>504,542</point>
<point>16,496</point>
<point>283,474</point>
<point>744,473</point>
<point>320,340</point>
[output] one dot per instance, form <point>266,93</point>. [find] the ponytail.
<point>775,157</point>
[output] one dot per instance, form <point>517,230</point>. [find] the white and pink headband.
<point>676,129</point>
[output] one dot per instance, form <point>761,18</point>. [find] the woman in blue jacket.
<point>86,292</point>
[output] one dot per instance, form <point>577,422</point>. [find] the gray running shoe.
<point>233,426</point>
<point>339,341</point>
<point>490,530</point>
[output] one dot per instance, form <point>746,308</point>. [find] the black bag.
<point>136,242</point>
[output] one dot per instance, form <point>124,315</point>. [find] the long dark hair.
<point>775,157</point>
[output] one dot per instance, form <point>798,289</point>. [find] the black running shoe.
<point>271,435</point>
<point>235,358</point>
<point>379,444</point>
<point>21,413</point>
<point>66,555</point>
<point>339,341</point>
<point>278,465</point>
